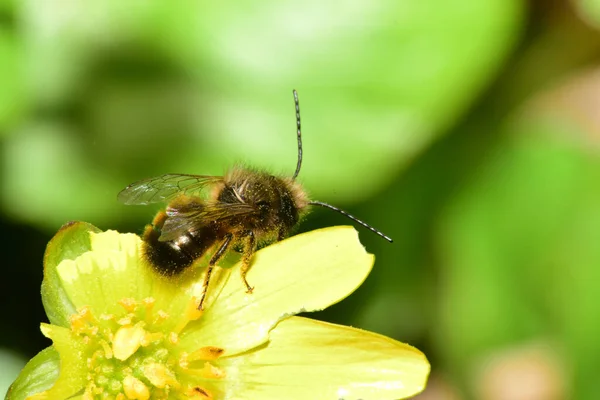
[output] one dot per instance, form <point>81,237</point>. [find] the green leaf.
<point>519,244</point>
<point>38,375</point>
<point>589,10</point>
<point>378,82</point>
<point>70,241</point>
<point>12,95</point>
<point>395,75</point>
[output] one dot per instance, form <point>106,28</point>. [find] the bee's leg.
<point>211,264</point>
<point>152,231</point>
<point>249,245</point>
<point>205,286</point>
<point>159,219</point>
<point>221,252</point>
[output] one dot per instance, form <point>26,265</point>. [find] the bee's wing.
<point>165,188</point>
<point>181,220</point>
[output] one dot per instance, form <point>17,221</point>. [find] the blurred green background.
<point>469,131</point>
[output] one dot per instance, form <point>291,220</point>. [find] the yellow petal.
<point>114,271</point>
<point>308,359</point>
<point>306,272</point>
<point>72,376</point>
<point>111,271</point>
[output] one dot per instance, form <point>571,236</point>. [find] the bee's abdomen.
<point>173,257</point>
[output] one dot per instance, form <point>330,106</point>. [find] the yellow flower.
<point>120,331</point>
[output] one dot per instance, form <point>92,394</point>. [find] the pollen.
<point>136,353</point>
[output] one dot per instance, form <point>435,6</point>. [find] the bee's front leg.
<point>213,261</point>
<point>249,247</point>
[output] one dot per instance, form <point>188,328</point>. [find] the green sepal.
<point>71,240</point>
<point>40,374</point>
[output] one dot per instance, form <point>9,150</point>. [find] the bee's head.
<point>279,202</point>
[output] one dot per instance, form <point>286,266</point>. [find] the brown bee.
<point>240,210</point>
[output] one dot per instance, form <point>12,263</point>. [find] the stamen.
<point>83,322</point>
<point>149,338</point>
<point>160,376</point>
<point>87,395</point>
<point>98,354</point>
<point>135,389</point>
<point>128,304</point>
<point>199,393</point>
<point>191,313</point>
<point>173,338</point>
<point>148,304</point>
<point>207,353</point>
<point>86,314</point>
<point>130,357</point>
<point>125,320</point>
<point>107,317</point>
<point>161,317</point>
<point>213,372</point>
<point>127,341</point>
<point>209,371</point>
<point>107,350</point>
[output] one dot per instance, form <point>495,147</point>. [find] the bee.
<point>208,215</point>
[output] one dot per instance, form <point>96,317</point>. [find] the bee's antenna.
<point>299,135</point>
<point>352,217</point>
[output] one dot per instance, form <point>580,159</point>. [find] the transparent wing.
<point>192,217</point>
<point>165,188</point>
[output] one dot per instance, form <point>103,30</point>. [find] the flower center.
<point>136,355</point>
